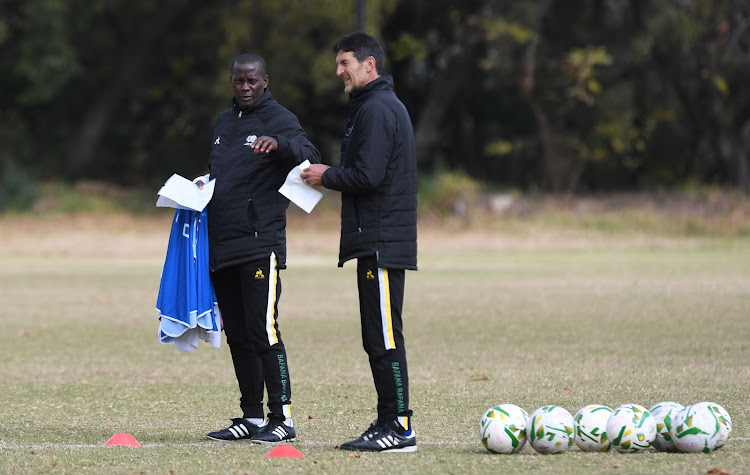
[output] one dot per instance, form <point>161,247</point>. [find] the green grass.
<point>609,325</point>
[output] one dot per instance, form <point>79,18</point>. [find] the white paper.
<point>299,192</point>
<point>181,193</point>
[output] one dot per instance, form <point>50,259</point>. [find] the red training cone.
<point>285,451</point>
<point>125,440</point>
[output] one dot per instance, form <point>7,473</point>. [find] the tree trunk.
<point>96,120</point>
<point>453,75</point>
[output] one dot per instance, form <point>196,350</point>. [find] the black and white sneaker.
<point>240,429</point>
<point>391,437</point>
<point>275,431</point>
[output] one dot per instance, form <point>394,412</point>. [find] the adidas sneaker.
<point>390,437</point>
<point>240,429</point>
<point>274,431</point>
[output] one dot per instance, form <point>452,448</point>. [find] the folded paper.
<point>180,193</point>
<point>299,192</point>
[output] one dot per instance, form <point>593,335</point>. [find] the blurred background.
<point>533,96</point>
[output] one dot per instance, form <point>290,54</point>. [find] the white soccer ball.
<point>631,428</point>
<point>502,429</point>
<point>591,428</point>
<point>664,413</point>
<point>702,427</point>
<point>550,430</point>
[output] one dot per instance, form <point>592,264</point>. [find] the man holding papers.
<point>377,179</point>
<point>255,144</point>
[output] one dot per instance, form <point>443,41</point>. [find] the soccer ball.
<point>702,427</point>
<point>631,428</point>
<point>503,429</point>
<point>550,430</point>
<point>591,428</point>
<point>664,413</point>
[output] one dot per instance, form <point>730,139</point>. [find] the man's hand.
<point>313,175</point>
<point>265,144</point>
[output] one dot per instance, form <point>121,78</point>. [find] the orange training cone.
<point>125,440</point>
<point>285,451</point>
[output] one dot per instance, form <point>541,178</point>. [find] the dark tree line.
<point>559,95</point>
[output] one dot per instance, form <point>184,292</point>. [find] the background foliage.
<point>551,95</point>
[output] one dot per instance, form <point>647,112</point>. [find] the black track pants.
<point>381,298</point>
<point>248,296</point>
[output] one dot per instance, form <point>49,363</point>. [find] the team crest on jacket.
<point>259,275</point>
<point>369,275</point>
<point>249,140</point>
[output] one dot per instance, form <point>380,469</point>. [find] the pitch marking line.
<point>227,443</point>
<point>230,443</point>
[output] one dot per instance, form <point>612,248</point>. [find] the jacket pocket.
<point>252,217</point>
<point>357,217</point>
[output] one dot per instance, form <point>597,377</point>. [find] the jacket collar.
<point>381,83</point>
<point>263,98</point>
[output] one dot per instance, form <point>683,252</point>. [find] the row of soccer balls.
<point>667,426</point>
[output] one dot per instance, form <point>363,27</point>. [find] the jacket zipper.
<point>356,212</point>
<point>251,206</point>
<point>250,203</point>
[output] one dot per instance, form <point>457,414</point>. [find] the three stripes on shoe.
<point>239,431</point>
<point>280,432</point>
<point>385,442</point>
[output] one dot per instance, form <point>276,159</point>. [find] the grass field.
<point>518,313</point>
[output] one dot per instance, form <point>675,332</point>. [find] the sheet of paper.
<point>181,193</point>
<point>299,192</point>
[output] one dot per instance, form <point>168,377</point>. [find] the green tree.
<point>573,95</point>
<point>578,94</point>
<point>701,50</point>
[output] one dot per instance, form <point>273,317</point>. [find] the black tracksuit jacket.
<point>247,214</point>
<point>377,179</point>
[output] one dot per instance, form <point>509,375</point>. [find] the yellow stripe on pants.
<point>385,309</point>
<point>270,310</point>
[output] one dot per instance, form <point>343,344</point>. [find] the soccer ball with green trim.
<point>591,428</point>
<point>631,428</point>
<point>502,429</point>
<point>664,413</point>
<point>702,427</point>
<point>550,430</point>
